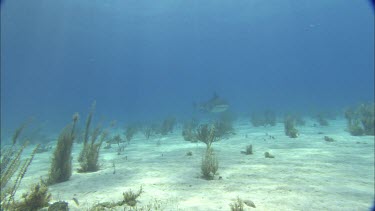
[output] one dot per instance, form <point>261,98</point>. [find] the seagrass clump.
<point>361,119</point>
<point>167,125</point>
<point>189,131</point>
<point>13,169</point>
<point>209,165</point>
<point>266,118</point>
<point>130,199</point>
<point>130,131</point>
<point>289,127</point>
<point>238,205</point>
<point>89,156</point>
<point>207,134</point>
<point>37,198</point>
<point>224,125</point>
<point>61,166</point>
<point>249,150</point>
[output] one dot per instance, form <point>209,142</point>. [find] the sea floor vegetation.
<point>210,173</point>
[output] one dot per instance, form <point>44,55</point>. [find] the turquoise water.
<point>143,60</point>
<point>150,65</point>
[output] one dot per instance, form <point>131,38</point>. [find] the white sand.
<point>307,173</point>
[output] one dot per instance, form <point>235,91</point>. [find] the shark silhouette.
<point>214,105</point>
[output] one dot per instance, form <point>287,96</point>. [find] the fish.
<point>76,201</point>
<point>214,105</point>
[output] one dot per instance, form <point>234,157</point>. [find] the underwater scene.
<point>184,105</point>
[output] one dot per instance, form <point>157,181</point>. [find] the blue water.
<point>143,59</point>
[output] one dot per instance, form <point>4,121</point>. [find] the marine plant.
<point>355,128</point>
<point>289,128</point>
<point>130,131</point>
<point>59,206</point>
<point>118,140</point>
<point>12,169</point>
<point>34,200</point>
<point>328,139</point>
<point>89,156</point>
<point>249,150</point>
<point>207,134</point>
<point>263,118</point>
<point>129,198</point>
<point>10,161</point>
<point>167,125</point>
<point>209,165</point>
<point>189,135</point>
<point>224,124</point>
<point>147,131</point>
<point>268,155</point>
<point>360,120</point>
<point>238,205</point>
<point>18,131</point>
<point>61,166</point>
<point>189,131</point>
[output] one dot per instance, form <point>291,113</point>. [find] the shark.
<point>214,105</point>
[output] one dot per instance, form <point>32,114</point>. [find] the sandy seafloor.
<point>307,173</point>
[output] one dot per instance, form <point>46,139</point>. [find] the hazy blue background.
<point>150,59</point>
